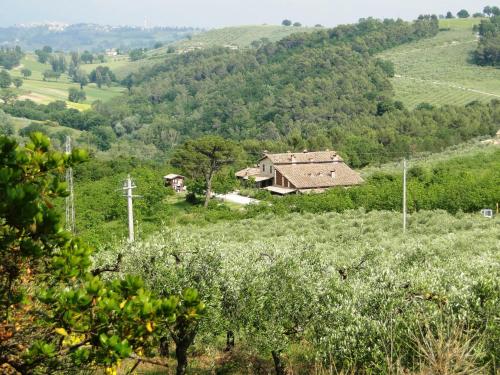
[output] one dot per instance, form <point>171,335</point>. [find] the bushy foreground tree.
<point>56,314</point>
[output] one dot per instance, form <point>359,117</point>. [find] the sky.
<point>218,13</point>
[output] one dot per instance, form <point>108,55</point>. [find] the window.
<point>263,167</point>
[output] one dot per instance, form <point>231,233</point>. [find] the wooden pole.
<point>128,190</point>
<point>404,196</point>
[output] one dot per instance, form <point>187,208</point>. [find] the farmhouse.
<point>175,181</point>
<point>305,171</point>
<point>111,52</point>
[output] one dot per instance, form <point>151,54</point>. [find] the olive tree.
<point>170,266</point>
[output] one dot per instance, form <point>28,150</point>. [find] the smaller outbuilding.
<point>175,181</point>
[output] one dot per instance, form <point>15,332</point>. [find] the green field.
<point>20,123</point>
<point>472,149</point>
<point>40,91</point>
<point>120,65</point>
<point>438,70</point>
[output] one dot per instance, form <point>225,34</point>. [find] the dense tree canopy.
<point>76,96</point>
<point>5,79</point>
<point>304,87</point>
<point>26,72</point>
<point>102,75</point>
<point>488,50</point>
<point>10,57</point>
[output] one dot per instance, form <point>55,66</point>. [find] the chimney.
<point>292,158</point>
<point>333,174</point>
<point>305,151</point>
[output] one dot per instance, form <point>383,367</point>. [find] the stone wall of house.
<point>266,167</point>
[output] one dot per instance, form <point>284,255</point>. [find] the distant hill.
<point>439,70</point>
<point>89,36</point>
<point>235,37</point>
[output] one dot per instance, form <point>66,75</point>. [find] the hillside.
<point>439,70</point>
<point>44,92</point>
<point>237,36</point>
<point>473,149</point>
<point>317,90</point>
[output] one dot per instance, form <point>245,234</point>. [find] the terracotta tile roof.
<point>303,157</point>
<point>319,175</point>
<point>171,176</point>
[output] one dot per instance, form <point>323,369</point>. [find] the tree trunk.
<point>208,192</point>
<point>278,364</point>
<point>181,356</point>
<point>229,341</point>
<point>182,343</point>
<point>164,347</point>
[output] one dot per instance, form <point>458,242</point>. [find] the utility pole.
<point>128,186</point>
<point>70,200</point>
<point>404,195</point>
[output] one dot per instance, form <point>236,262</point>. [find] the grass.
<point>473,148</point>
<point>43,92</point>
<point>20,123</point>
<point>120,65</point>
<point>439,71</point>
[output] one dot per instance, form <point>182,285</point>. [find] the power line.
<point>128,186</point>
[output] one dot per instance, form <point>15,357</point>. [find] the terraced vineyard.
<point>439,71</point>
<point>240,36</point>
